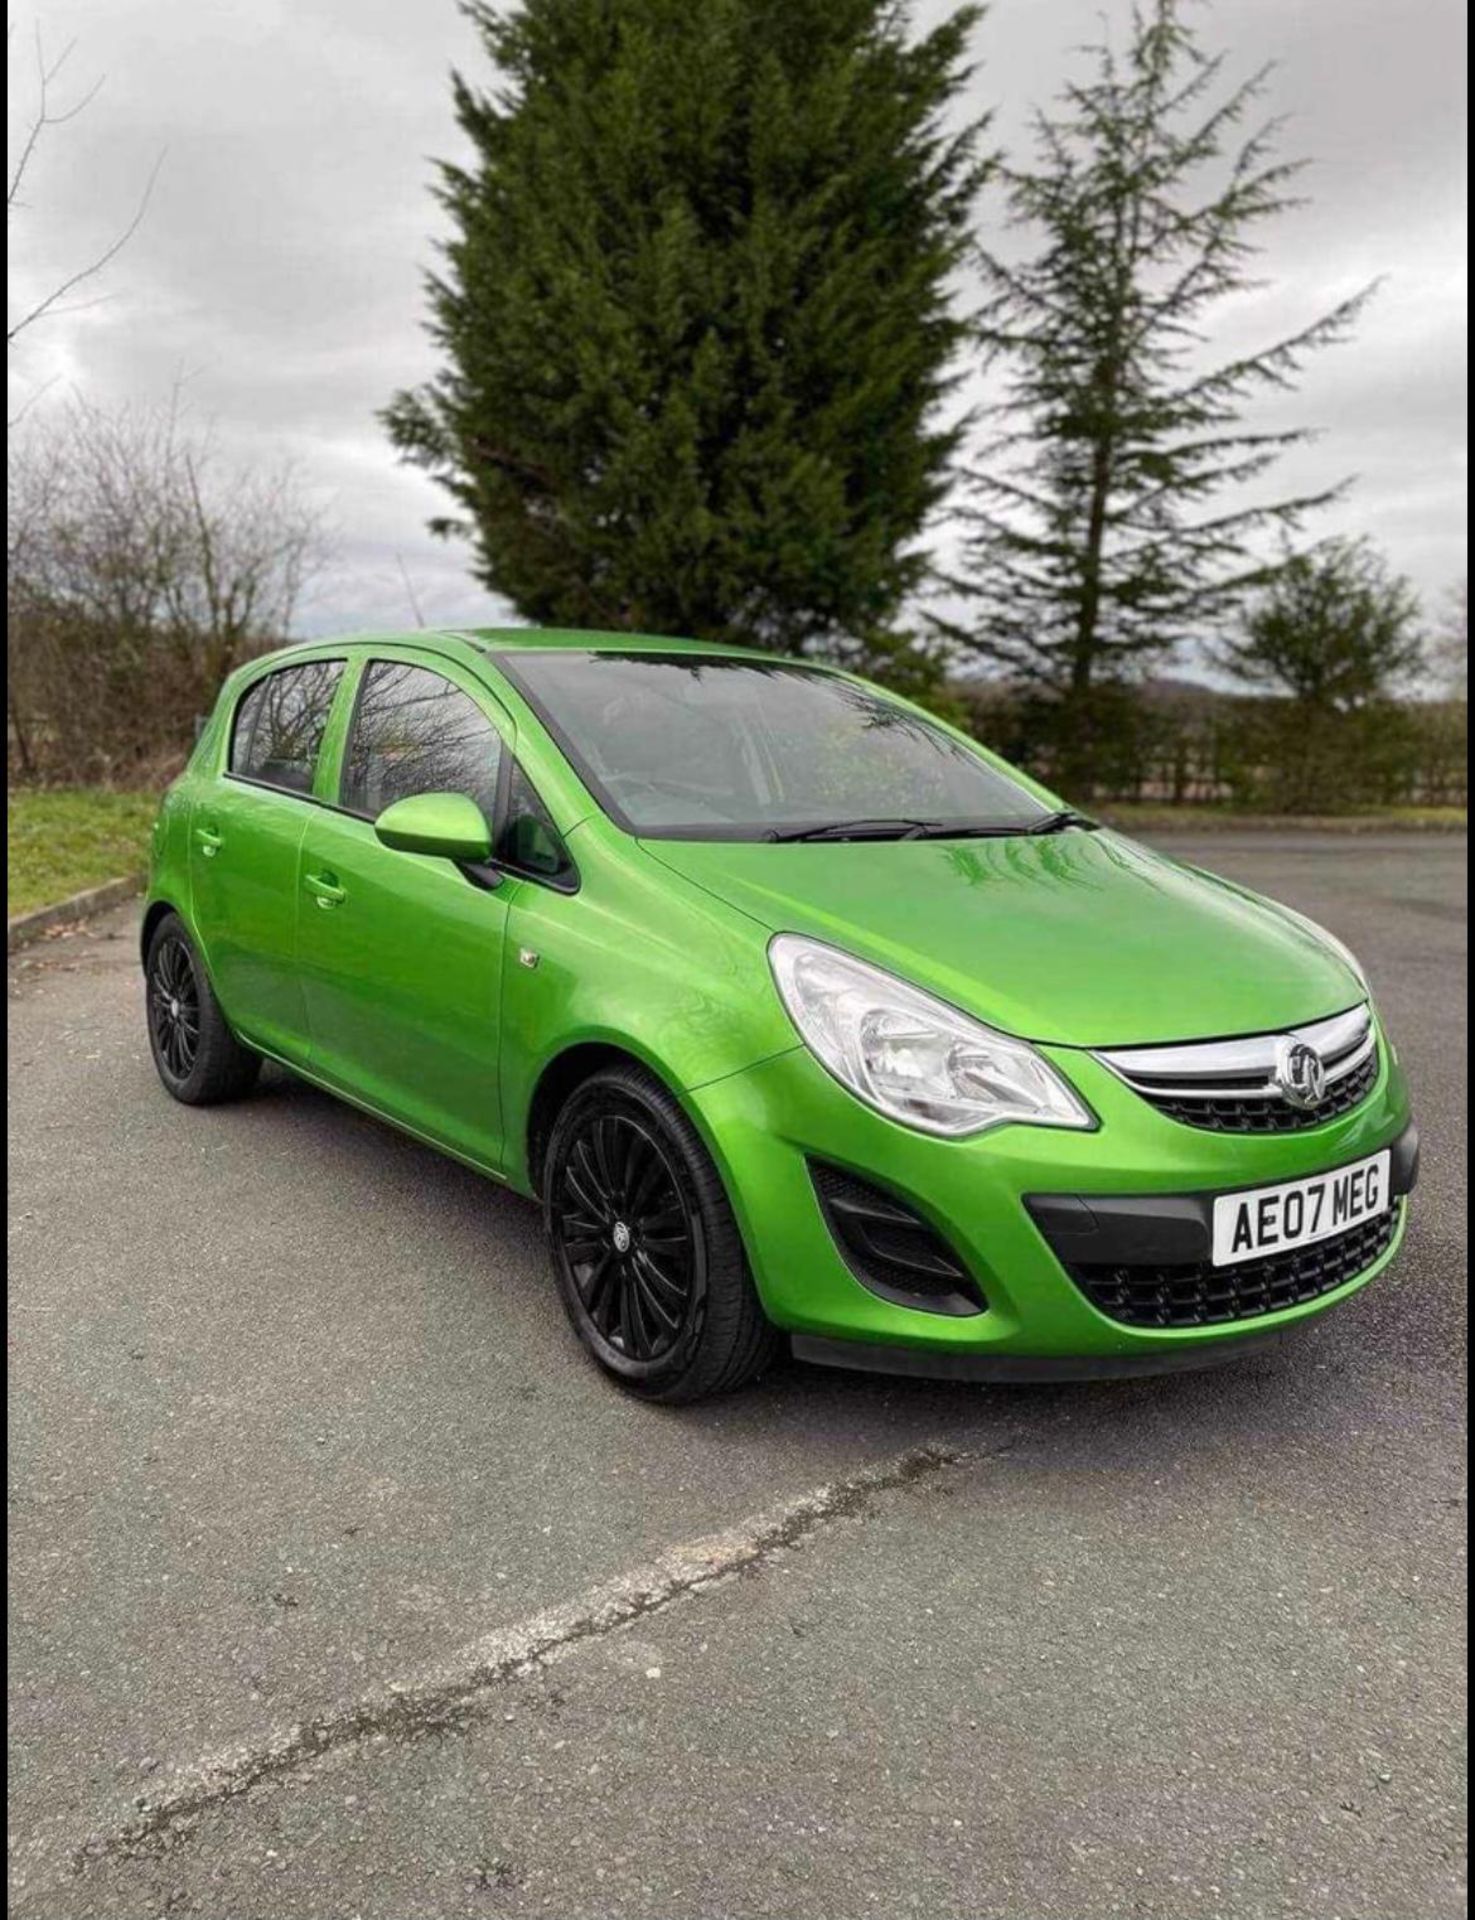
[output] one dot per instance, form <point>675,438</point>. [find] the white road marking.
<point>451,1690</point>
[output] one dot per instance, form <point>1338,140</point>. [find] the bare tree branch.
<point>44,120</point>
<point>109,254</point>
<point>32,399</point>
<point>44,117</point>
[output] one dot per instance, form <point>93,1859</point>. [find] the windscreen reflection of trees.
<point>282,724</point>
<point>765,743</point>
<point>890,763</point>
<point>416,733</point>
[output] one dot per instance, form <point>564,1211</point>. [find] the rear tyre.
<point>646,1252</point>
<point>199,1059</point>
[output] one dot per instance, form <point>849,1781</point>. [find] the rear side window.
<point>414,732</point>
<point>280,724</point>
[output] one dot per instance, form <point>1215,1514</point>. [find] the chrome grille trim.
<point>1242,1069</point>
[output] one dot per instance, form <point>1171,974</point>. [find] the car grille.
<point>1229,1086</point>
<point>1269,1113</point>
<point>1202,1295</point>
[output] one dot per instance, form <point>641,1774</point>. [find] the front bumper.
<point>1022,1369</point>
<point>1139,1181</point>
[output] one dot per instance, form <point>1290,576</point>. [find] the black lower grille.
<point>1202,1295</point>
<point>1268,1113</point>
<point>890,1249</point>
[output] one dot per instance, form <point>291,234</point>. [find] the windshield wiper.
<point>858,830</point>
<point>1058,821</point>
<point>1055,822</point>
<point>1011,830</point>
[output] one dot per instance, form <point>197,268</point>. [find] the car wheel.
<point>199,1059</point>
<point>647,1254</point>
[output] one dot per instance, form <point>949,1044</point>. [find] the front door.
<point>246,829</point>
<point>401,953</point>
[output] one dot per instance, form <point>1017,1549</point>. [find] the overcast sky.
<point>276,273</point>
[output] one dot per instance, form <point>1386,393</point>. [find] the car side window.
<point>414,732</point>
<point>280,723</point>
<point>527,839</point>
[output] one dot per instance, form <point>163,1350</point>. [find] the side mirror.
<point>451,825</point>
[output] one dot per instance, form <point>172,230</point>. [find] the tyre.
<point>199,1059</point>
<point>647,1255</point>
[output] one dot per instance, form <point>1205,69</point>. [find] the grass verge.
<point>64,839</point>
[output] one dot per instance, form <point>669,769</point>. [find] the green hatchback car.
<point>801,1014</point>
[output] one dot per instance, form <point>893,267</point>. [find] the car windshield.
<point>711,747</point>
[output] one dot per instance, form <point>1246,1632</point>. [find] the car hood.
<point>1080,938</point>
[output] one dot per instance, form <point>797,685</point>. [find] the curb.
<point>22,928</point>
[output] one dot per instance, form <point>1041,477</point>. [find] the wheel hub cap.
<point>621,1237</point>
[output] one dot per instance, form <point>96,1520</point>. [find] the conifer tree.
<point>1117,513</point>
<point>1336,629</point>
<point>694,314</point>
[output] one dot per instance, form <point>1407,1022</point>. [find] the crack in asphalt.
<point>446,1696</point>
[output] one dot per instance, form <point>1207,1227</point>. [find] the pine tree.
<point>1116,514</point>
<point>695,314</point>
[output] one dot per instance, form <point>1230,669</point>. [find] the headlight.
<point>911,1057</point>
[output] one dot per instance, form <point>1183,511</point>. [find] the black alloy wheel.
<point>199,1059</point>
<point>631,1245</point>
<point>646,1251</point>
<point>174,1008</point>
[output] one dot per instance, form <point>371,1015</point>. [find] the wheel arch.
<point>558,1079</point>
<point>153,913</point>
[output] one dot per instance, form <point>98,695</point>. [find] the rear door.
<point>402,953</point>
<point>245,832</point>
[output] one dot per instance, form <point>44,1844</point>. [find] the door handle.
<point>325,889</point>
<point>210,841</point>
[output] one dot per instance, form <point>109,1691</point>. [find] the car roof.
<point>494,640</point>
<point>525,639</point>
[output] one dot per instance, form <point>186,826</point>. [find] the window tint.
<point>280,725</point>
<point>413,732</point>
<point>528,839</point>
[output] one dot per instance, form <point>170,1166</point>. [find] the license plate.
<point>1298,1213</point>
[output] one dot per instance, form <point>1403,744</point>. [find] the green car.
<point>801,1014</point>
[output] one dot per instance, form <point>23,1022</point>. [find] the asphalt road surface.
<point>342,1586</point>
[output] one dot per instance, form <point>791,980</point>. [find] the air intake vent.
<point>890,1250</point>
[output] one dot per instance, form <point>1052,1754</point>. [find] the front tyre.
<point>199,1059</point>
<point>647,1254</point>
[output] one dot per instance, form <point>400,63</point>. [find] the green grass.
<point>1150,816</point>
<point>63,839</point>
